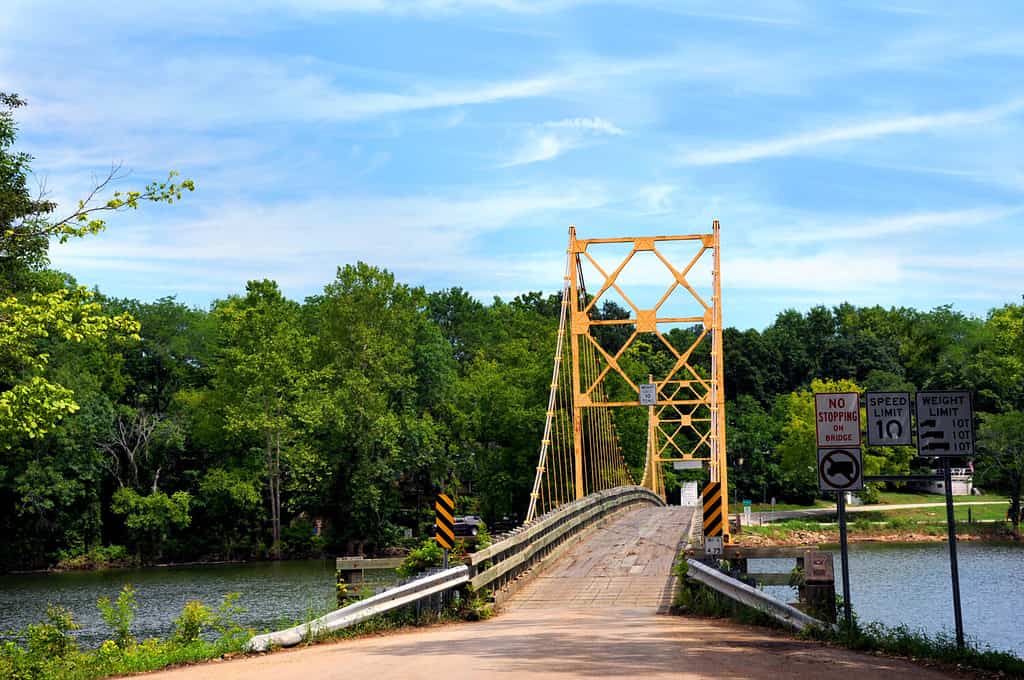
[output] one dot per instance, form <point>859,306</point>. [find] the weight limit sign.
<point>840,470</point>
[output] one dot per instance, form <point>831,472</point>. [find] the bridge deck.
<point>625,563</point>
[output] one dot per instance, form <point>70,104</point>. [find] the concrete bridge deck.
<point>589,615</point>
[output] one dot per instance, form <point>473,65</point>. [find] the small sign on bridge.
<point>444,521</point>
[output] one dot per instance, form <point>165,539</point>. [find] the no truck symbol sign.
<point>840,470</point>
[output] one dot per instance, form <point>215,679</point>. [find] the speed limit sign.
<point>888,416</point>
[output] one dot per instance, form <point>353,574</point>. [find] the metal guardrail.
<point>363,609</point>
<point>497,565</point>
<point>751,597</point>
<point>493,567</point>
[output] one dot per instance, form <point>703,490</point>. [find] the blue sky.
<point>869,152</point>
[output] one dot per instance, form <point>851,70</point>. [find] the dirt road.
<point>606,643</point>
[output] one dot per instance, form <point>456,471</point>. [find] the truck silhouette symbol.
<point>842,468</point>
<point>933,434</point>
<point>927,423</point>
<point>935,446</point>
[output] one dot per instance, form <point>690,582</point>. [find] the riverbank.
<point>803,532</point>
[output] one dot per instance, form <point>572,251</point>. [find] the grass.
<point>692,597</point>
<point>915,645</point>
<point>779,507</point>
<point>866,525</point>
<point>988,520</point>
<point>903,498</point>
<point>978,513</point>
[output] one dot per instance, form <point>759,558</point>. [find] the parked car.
<point>467,527</point>
<point>504,524</point>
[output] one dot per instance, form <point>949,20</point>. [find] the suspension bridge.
<point>580,582</point>
<point>596,373</point>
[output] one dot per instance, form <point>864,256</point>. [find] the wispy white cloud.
<point>846,229</point>
<point>597,125</point>
<point>656,199</point>
<point>540,148</point>
<point>553,138</point>
<point>223,91</point>
<point>301,242</point>
<point>794,144</point>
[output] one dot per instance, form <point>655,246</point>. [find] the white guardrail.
<point>363,609</point>
<point>490,568</point>
<point>751,597</point>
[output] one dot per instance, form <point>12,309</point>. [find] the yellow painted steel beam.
<point>580,451</point>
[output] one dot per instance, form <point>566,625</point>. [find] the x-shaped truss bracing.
<point>688,420</point>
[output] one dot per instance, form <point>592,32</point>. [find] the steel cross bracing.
<point>579,450</point>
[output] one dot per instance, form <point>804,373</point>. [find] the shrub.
<point>870,495</point>
<point>298,540</point>
<point>225,621</point>
<point>483,538</point>
<point>94,558</point>
<point>428,555</point>
<point>53,638</point>
<point>194,617</point>
<point>46,644</point>
<point>120,615</point>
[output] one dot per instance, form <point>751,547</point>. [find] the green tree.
<point>261,374</point>
<point>1001,457</point>
<point>30,402</point>
<point>228,499</point>
<point>752,436</point>
<point>392,382</point>
<point>151,518</point>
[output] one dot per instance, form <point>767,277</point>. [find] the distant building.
<point>962,479</point>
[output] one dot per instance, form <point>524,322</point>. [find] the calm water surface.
<point>910,584</point>
<point>270,592</point>
<point>891,584</point>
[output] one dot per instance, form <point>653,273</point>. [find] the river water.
<point>910,584</point>
<point>890,583</point>
<point>272,593</point>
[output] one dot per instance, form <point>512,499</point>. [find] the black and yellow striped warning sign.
<point>714,509</point>
<point>444,523</point>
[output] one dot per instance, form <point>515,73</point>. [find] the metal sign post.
<point>844,557</point>
<point>954,569</point>
<point>842,470</point>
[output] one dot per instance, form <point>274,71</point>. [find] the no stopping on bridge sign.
<point>837,419</point>
<point>840,470</point>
